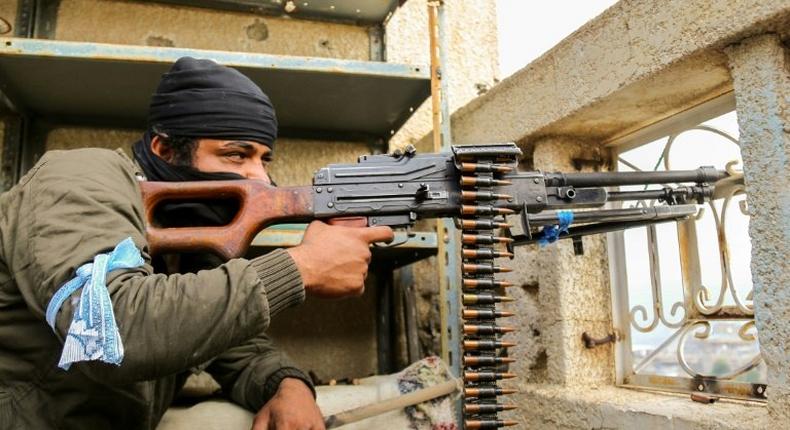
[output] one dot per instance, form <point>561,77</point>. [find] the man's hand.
<point>291,408</point>
<point>333,260</point>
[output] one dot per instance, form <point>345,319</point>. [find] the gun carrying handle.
<point>260,205</point>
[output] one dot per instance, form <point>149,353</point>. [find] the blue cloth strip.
<point>551,233</point>
<point>93,333</point>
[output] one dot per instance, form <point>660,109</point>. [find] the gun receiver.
<point>396,190</point>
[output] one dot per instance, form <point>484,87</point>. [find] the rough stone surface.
<point>761,74</point>
<point>573,290</point>
<point>529,350</point>
<point>471,25</point>
<point>555,407</point>
<point>154,24</point>
<point>637,63</point>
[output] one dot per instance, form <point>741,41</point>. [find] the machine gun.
<point>479,185</point>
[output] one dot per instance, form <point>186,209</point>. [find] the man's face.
<point>248,159</point>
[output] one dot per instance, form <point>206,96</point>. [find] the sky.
<point>527,29</point>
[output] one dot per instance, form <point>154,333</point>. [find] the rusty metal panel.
<point>353,11</point>
<point>730,389</point>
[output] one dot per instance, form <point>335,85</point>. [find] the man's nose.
<point>257,172</point>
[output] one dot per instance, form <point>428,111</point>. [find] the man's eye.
<point>235,156</point>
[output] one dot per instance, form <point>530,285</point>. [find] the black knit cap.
<point>202,99</point>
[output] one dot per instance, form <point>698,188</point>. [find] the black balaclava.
<point>202,99</point>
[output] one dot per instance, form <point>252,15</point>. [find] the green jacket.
<point>73,205</point>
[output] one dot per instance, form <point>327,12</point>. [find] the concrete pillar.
<point>761,77</point>
<point>574,292</point>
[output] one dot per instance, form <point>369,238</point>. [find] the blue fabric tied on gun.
<point>551,233</point>
<point>93,333</point>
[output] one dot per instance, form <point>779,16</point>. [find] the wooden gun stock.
<point>260,205</point>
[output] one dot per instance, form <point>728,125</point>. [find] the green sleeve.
<point>251,373</point>
<point>77,204</point>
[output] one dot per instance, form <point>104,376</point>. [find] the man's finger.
<point>378,234</point>
<point>261,422</point>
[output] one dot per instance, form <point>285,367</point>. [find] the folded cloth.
<point>93,333</point>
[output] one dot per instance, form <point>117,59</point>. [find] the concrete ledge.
<point>634,65</point>
<point>562,407</point>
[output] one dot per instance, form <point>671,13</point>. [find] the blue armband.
<point>93,333</point>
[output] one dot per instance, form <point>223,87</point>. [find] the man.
<point>207,122</point>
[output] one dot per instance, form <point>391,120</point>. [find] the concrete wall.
<point>471,27</point>
<point>761,71</point>
<point>331,348</point>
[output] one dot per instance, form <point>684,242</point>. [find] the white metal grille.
<point>682,291</point>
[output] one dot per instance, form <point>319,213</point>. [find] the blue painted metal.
<point>110,85</point>
<point>10,46</point>
<point>362,12</point>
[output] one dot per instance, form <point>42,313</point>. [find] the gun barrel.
<point>706,174</point>
<point>619,215</point>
